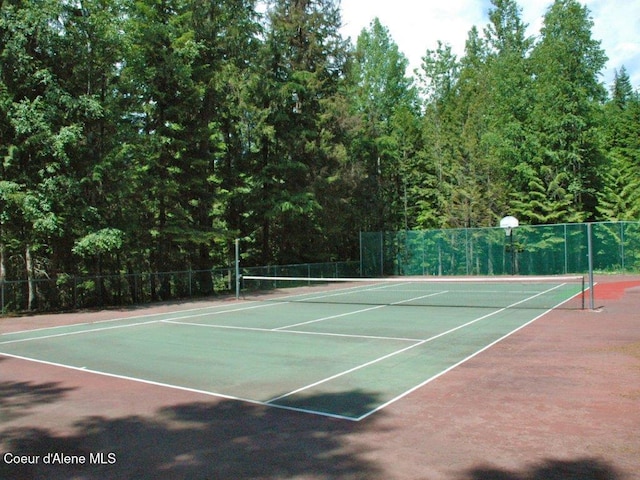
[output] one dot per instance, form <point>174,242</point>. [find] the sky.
<point>417,25</point>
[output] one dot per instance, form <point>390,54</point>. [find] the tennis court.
<point>301,348</point>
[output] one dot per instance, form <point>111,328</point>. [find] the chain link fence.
<point>531,250</point>
<point>308,270</point>
<point>69,292</point>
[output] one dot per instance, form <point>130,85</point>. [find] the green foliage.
<point>620,197</point>
<point>107,240</point>
<point>146,135</point>
<point>384,105</point>
<point>568,99</point>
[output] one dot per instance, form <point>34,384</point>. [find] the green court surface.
<point>334,359</point>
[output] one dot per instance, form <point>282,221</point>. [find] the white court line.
<point>285,407</point>
<point>67,334</point>
<point>91,330</point>
<point>379,359</point>
<point>330,317</point>
<point>297,332</point>
<point>178,387</point>
<point>397,352</point>
<point>360,311</point>
<point>133,317</point>
<point>308,296</point>
<point>439,374</point>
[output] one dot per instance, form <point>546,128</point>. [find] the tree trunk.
<point>3,276</point>
<point>3,270</point>
<point>30,279</point>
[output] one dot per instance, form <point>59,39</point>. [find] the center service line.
<point>392,354</point>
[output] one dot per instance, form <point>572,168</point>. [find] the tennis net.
<point>479,292</point>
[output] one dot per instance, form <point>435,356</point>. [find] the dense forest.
<point>146,135</point>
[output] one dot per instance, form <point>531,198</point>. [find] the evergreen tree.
<point>226,34</point>
<point>146,135</point>
<point>302,64</point>
<point>471,166</point>
<point>620,197</point>
<point>168,177</point>
<point>508,139</point>
<point>92,55</point>
<point>182,78</point>
<point>42,124</point>
<point>566,63</point>
<point>438,83</point>
<point>385,102</point>
<point>456,119</point>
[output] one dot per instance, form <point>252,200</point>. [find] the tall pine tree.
<point>620,197</point>
<point>566,63</point>
<point>302,63</point>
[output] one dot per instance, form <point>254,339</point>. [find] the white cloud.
<point>417,25</point>
<point>616,24</point>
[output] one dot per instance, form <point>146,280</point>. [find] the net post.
<point>237,267</point>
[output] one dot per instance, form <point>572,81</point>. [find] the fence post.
<point>566,250</point>
<point>361,256</point>
<point>622,264</point>
<point>382,254</point>
<point>237,265</point>
<point>590,255</point>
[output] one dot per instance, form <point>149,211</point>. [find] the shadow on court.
<point>225,440</point>
<point>581,469</point>
<point>17,398</point>
<point>209,440</point>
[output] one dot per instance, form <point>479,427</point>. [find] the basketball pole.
<point>513,253</point>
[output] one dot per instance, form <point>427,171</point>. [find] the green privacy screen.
<point>530,250</point>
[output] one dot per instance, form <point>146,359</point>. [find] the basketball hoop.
<point>509,223</point>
